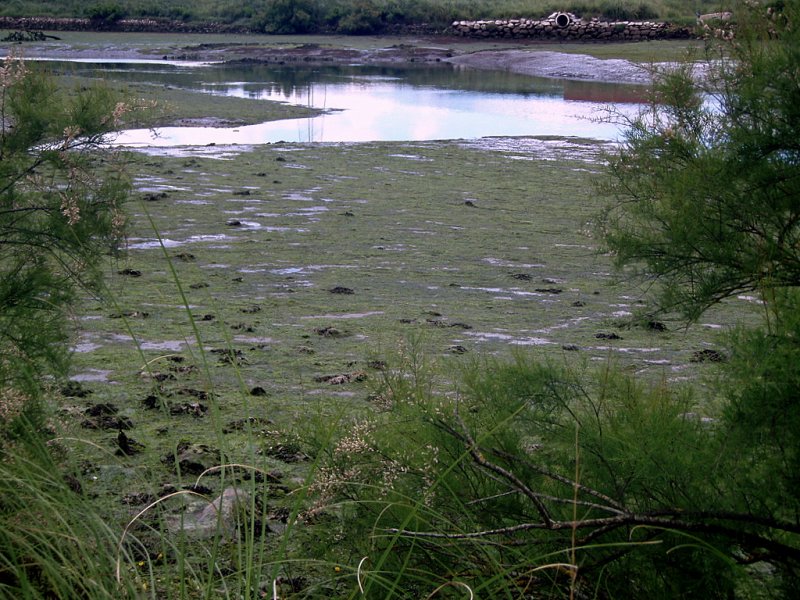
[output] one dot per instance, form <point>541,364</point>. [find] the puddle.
<point>505,337</point>
<point>133,244</point>
<point>288,271</point>
<point>565,325</point>
<point>248,225</point>
<point>228,152</point>
<point>148,244</point>
<point>165,346</point>
<point>243,339</point>
<point>155,189</point>
<point>362,315</point>
<point>509,292</point>
<point>86,347</point>
<point>542,149</point>
<point>305,196</point>
<point>92,375</point>
<point>332,393</point>
<point>625,350</point>
<point>498,262</point>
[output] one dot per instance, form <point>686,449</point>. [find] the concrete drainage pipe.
<point>562,19</point>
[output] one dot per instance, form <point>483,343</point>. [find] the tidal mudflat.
<point>265,290</point>
<point>272,281</point>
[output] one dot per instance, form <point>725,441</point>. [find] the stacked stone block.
<point>566,26</point>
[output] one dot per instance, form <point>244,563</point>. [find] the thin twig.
<point>613,505</point>
<point>509,476</point>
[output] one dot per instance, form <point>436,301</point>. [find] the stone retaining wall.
<point>566,26</point>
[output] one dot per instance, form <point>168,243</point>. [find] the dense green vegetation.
<point>354,16</point>
<point>58,216</point>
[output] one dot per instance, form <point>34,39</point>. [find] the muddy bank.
<point>538,63</point>
<point>311,53</point>
<point>544,63</point>
<point>541,60</point>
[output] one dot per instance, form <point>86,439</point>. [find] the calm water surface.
<point>380,103</point>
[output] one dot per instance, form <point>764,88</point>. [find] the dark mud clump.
<point>342,378</point>
<point>74,389</point>
<point>243,424</point>
<point>286,452</point>
<point>155,197</point>
<point>194,409</point>
<point>329,331</point>
<point>129,314</point>
<point>341,290</point>
<point>127,446</point>
<point>130,272</point>
<point>707,355</point>
<point>192,458</point>
<point>230,356</point>
<point>105,416</point>
<point>608,336</point>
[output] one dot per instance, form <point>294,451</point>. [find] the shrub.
<point>618,10</point>
<point>61,195</point>
<point>533,478</point>
<point>53,541</point>
<point>106,13</point>
<point>289,16</point>
<point>362,18</point>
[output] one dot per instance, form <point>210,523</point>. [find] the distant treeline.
<point>349,16</point>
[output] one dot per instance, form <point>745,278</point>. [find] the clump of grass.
<point>54,542</point>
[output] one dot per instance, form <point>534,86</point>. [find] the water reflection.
<point>382,103</point>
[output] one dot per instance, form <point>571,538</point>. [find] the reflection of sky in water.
<point>371,109</point>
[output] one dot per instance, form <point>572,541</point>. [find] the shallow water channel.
<point>381,103</point>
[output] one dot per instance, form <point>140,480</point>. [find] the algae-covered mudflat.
<point>272,281</point>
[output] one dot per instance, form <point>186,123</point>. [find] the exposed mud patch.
<point>556,65</point>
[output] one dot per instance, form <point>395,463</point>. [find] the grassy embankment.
<point>356,17</point>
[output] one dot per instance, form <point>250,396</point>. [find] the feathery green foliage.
<point>706,186</point>
<point>60,201</point>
